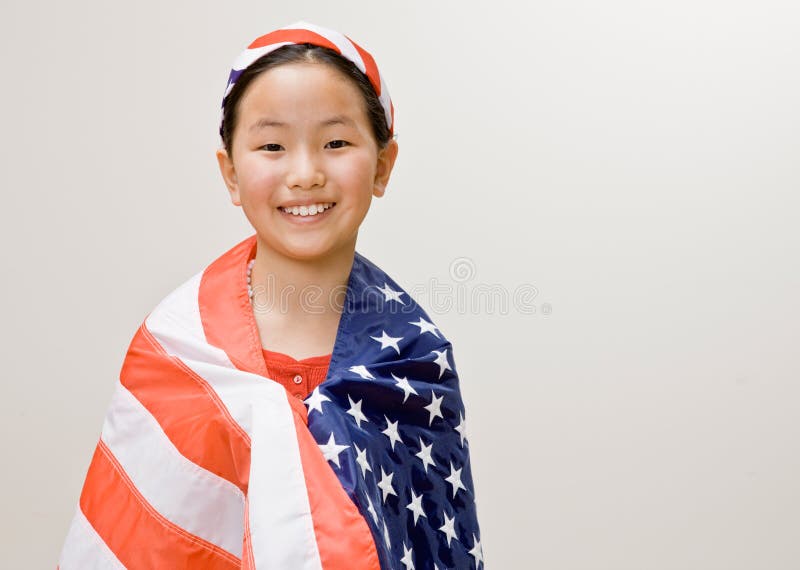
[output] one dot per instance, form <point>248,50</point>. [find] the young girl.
<point>290,406</point>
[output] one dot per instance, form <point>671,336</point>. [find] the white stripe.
<point>384,99</point>
<point>279,510</point>
<point>186,494</point>
<point>281,527</point>
<point>84,549</point>
<point>176,325</point>
<point>339,40</point>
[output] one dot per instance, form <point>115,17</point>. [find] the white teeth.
<point>311,210</point>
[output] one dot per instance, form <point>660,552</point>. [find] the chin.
<point>307,252</point>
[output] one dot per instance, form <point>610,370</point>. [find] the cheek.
<point>357,172</point>
<point>259,180</point>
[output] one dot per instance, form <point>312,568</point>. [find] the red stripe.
<point>136,533</point>
<point>187,409</point>
<point>344,539</point>
<point>370,66</point>
<point>225,310</point>
<point>297,36</point>
<point>248,560</point>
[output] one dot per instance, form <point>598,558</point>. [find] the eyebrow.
<point>337,120</point>
<point>265,122</point>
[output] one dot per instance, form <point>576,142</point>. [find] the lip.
<point>298,219</point>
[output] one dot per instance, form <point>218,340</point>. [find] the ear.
<point>385,164</point>
<point>229,175</point>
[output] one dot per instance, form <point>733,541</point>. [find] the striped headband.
<point>304,32</point>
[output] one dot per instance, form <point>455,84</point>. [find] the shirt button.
<point>298,379</point>
<point>298,396</point>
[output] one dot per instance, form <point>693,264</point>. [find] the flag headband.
<point>303,32</point>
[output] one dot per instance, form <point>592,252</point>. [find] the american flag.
<point>204,463</point>
<point>391,422</point>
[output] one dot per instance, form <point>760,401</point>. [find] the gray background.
<point>635,162</point>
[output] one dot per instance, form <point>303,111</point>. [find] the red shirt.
<point>299,377</point>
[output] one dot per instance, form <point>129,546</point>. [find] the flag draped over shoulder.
<point>204,462</point>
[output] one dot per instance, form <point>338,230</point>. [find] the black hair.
<point>303,53</point>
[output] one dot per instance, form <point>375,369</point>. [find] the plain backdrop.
<point>635,164</point>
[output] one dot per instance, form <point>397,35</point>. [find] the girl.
<point>290,406</point>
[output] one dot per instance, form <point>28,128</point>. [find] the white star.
<point>391,432</point>
<point>434,407</point>
<point>331,450</point>
<point>455,479</point>
<point>425,326</point>
<point>390,294</point>
<point>425,455</point>
<point>477,551</point>
<point>361,459</point>
<point>386,535</point>
<point>355,411</point>
<point>387,340</point>
<point>314,401</point>
<point>415,506</point>
<point>386,484</point>
<point>362,371</point>
<point>448,528</point>
<point>403,384</point>
<point>371,510</point>
<point>462,428</point>
<point>407,561</point>
<point>441,360</point>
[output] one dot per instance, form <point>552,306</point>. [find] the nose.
<point>304,171</point>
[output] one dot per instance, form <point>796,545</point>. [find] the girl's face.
<point>302,138</point>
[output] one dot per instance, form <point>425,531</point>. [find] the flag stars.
<point>407,560</point>
<point>461,428</point>
<point>362,371</point>
<point>415,506</point>
<point>425,326</point>
<point>449,528</point>
<point>315,400</point>
<point>387,341</point>
<point>361,459</point>
<point>390,294</point>
<point>331,450</point>
<point>371,510</point>
<point>355,411</point>
<point>441,361</point>
<point>476,551</point>
<point>425,455</point>
<point>385,484</point>
<point>392,432</point>
<point>434,408</point>
<point>403,384</point>
<point>455,479</point>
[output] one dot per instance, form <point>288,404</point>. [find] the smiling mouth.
<point>308,211</point>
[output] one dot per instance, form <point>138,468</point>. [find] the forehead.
<point>301,93</point>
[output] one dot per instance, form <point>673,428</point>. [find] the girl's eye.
<point>272,147</point>
<point>338,143</point>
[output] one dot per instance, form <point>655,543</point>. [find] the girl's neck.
<point>297,288</point>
